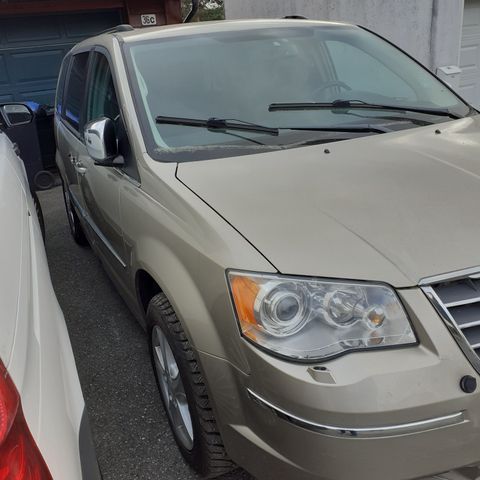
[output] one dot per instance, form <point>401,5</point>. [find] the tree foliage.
<point>209,10</point>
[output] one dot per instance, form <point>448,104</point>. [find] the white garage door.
<point>470,53</point>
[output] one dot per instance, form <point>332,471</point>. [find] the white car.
<point>44,430</point>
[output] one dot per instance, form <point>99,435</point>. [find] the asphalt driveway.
<point>130,430</point>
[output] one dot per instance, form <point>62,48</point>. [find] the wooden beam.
<point>167,11</point>
<point>173,11</point>
<point>52,6</point>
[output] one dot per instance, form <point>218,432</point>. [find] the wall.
<point>430,30</point>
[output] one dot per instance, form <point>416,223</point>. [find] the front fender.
<point>180,288</point>
<point>186,248</point>
<point>201,302</point>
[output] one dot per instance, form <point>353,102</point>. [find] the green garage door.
<point>32,48</point>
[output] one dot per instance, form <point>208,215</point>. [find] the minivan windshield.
<point>221,94</point>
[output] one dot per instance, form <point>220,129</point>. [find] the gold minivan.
<point>291,210</point>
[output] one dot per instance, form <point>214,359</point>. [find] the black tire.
<point>73,221</point>
<point>38,209</point>
<point>207,456</point>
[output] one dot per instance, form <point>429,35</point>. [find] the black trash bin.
<point>44,119</point>
<point>34,148</point>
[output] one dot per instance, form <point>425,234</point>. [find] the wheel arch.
<point>178,285</point>
<point>146,288</point>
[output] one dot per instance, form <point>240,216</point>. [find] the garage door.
<point>470,53</point>
<point>32,48</point>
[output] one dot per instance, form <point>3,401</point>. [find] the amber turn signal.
<point>244,292</point>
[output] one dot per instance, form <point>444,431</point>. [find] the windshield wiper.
<point>218,124</point>
<point>357,104</point>
<point>359,128</point>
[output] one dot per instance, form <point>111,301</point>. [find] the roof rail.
<point>125,27</point>
<point>296,17</point>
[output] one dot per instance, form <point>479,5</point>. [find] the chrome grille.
<point>457,299</point>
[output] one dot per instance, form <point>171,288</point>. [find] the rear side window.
<point>61,85</point>
<point>75,92</point>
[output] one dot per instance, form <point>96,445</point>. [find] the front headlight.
<point>312,319</point>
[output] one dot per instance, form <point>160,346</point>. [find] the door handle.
<point>80,168</point>
<point>72,159</point>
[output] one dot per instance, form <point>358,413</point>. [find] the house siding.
<point>429,30</point>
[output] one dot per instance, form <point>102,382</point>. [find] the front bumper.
<point>394,414</point>
<point>361,432</point>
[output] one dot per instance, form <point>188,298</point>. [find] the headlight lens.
<point>314,319</point>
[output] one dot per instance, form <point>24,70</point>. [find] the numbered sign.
<point>148,19</point>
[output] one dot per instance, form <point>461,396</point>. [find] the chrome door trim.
<point>362,432</point>
<point>95,228</point>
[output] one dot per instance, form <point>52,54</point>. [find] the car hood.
<point>395,207</point>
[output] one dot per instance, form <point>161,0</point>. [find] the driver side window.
<point>102,99</point>
<point>102,102</point>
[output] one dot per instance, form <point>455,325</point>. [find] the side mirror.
<point>15,114</point>
<point>101,142</point>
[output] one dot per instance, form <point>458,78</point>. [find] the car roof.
<point>183,29</point>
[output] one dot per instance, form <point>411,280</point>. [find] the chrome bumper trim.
<point>361,432</point>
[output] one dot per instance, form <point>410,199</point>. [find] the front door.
<point>99,185</point>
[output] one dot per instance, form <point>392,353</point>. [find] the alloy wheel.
<point>172,389</point>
